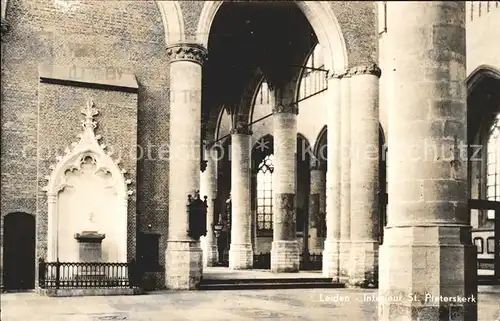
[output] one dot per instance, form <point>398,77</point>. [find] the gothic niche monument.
<point>87,201</point>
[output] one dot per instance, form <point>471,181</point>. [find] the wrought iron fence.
<point>75,275</point>
<point>307,262</point>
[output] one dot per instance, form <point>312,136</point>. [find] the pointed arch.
<point>481,72</point>
<point>322,137</point>
<point>173,21</point>
<point>263,146</point>
<point>224,111</point>
<point>247,103</point>
<point>319,14</point>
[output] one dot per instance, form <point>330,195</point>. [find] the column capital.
<point>338,75</point>
<point>4,26</point>
<point>370,69</point>
<point>241,129</point>
<point>187,52</point>
<point>290,109</point>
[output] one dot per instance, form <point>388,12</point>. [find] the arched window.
<point>493,164</point>
<point>314,78</point>
<point>265,194</point>
<point>263,95</point>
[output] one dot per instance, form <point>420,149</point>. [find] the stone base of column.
<point>285,256</point>
<point>240,256</point>
<point>331,260</point>
<point>210,255</point>
<point>363,264</point>
<point>428,276</point>
<point>183,265</point>
<point>345,254</point>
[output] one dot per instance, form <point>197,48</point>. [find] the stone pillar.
<point>209,188</point>
<point>184,265</point>
<point>331,253</point>
<point>285,247</point>
<point>364,176</point>
<point>317,205</point>
<point>345,179</point>
<point>427,251</point>
<point>240,251</point>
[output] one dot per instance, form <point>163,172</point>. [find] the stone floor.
<point>303,304</point>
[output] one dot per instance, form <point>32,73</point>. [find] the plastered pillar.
<point>317,206</point>
<point>209,189</point>
<point>285,248</point>
<point>331,253</point>
<point>345,177</point>
<point>183,262</point>
<point>427,252</point>
<point>240,252</point>
<point>363,266</point>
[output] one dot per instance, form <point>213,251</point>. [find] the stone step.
<point>269,285</point>
<point>266,280</point>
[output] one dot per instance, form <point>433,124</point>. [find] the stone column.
<point>317,205</point>
<point>240,251</point>
<point>331,253</point>
<point>364,176</point>
<point>209,188</point>
<point>345,180</point>
<point>184,265</point>
<point>285,247</point>
<point>427,251</point>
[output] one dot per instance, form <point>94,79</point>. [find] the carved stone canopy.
<point>290,109</point>
<point>187,52</point>
<point>88,146</point>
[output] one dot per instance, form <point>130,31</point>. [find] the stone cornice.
<point>371,69</point>
<point>187,52</point>
<point>5,27</point>
<point>241,130</point>
<point>290,109</point>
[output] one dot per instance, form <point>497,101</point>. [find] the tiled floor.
<point>303,304</point>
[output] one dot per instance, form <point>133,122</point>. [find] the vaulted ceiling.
<point>248,35</point>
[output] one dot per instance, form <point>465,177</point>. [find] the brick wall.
<point>117,37</point>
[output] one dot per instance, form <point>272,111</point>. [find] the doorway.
<point>19,251</point>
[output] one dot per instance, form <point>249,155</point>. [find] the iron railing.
<point>76,275</point>
<point>308,262</point>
